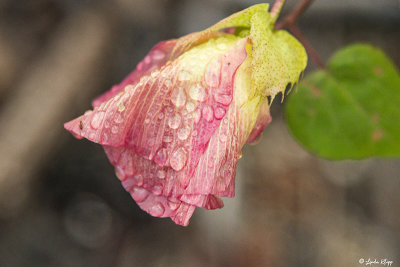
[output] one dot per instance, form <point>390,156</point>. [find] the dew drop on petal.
<point>92,136</point>
<point>183,133</point>
<point>184,75</point>
<point>120,173</point>
<point>114,129</point>
<point>147,121</point>
<point>173,205</point>
<point>161,174</point>
<point>157,189</point>
<point>139,66</point>
<point>223,137</point>
<point>155,74</point>
<point>190,106</point>
<point>174,121</point>
<point>208,113</point>
<point>168,83</point>
<point>161,156</point>
<point>105,137</point>
<point>157,210</point>
<point>178,159</point>
<point>118,118</point>
<point>168,138</point>
<point>213,73</point>
<point>139,194</point>
<point>97,119</point>
<point>221,46</point>
<point>197,92</point>
<point>121,107</point>
<point>194,133</point>
<point>178,97</point>
<point>197,115</point>
<point>147,59</point>
<point>138,179</point>
<point>219,113</point>
<point>223,99</point>
<point>160,115</point>
<point>158,55</point>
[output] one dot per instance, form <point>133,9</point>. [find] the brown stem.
<point>310,50</point>
<point>292,17</point>
<point>276,9</point>
<point>289,21</point>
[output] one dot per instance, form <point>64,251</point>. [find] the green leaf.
<point>352,110</point>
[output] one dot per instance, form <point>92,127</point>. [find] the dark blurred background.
<point>61,204</point>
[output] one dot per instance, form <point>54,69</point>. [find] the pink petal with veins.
<point>155,131</point>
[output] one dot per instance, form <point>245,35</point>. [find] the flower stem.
<point>276,10</point>
<point>310,50</point>
<point>293,16</point>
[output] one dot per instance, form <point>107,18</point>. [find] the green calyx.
<point>277,57</point>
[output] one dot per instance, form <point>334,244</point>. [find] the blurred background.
<point>61,204</point>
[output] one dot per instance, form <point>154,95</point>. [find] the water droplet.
<point>183,133</point>
<point>174,121</point>
<point>223,99</point>
<point>161,157</point>
<point>221,46</point>
<point>107,124</point>
<point>168,138</point>
<point>97,119</point>
<point>147,60</point>
<point>168,82</point>
<point>190,106</point>
<point>173,205</point>
<point>105,137</point>
<point>121,107</point>
<point>184,75</point>
<point>120,173</point>
<point>92,135</point>
<point>155,74</point>
<point>139,194</point>
<point>160,115</point>
<point>178,159</point>
<point>161,174</point>
<point>178,97</point>
<point>118,118</point>
<point>139,66</point>
<point>197,115</point>
<point>219,113</point>
<point>194,133</point>
<point>138,179</point>
<point>129,87</point>
<point>225,120</point>
<point>208,113</point>
<point>213,73</point>
<point>114,129</point>
<point>223,137</point>
<point>157,189</point>
<point>158,55</point>
<point>198,93</point>
<point>147,120</point>
<point>157,210</point>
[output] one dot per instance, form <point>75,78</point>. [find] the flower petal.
<point>263,119</point>
<point>155,59</point>
<point>170,115</point>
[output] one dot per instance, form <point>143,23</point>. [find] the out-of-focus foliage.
<point>350,110</point>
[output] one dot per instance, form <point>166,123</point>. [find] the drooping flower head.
<point>175,127</point>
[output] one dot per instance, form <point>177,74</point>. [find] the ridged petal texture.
<point>174,128</point>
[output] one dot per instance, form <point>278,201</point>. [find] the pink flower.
<point>175,127</point>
